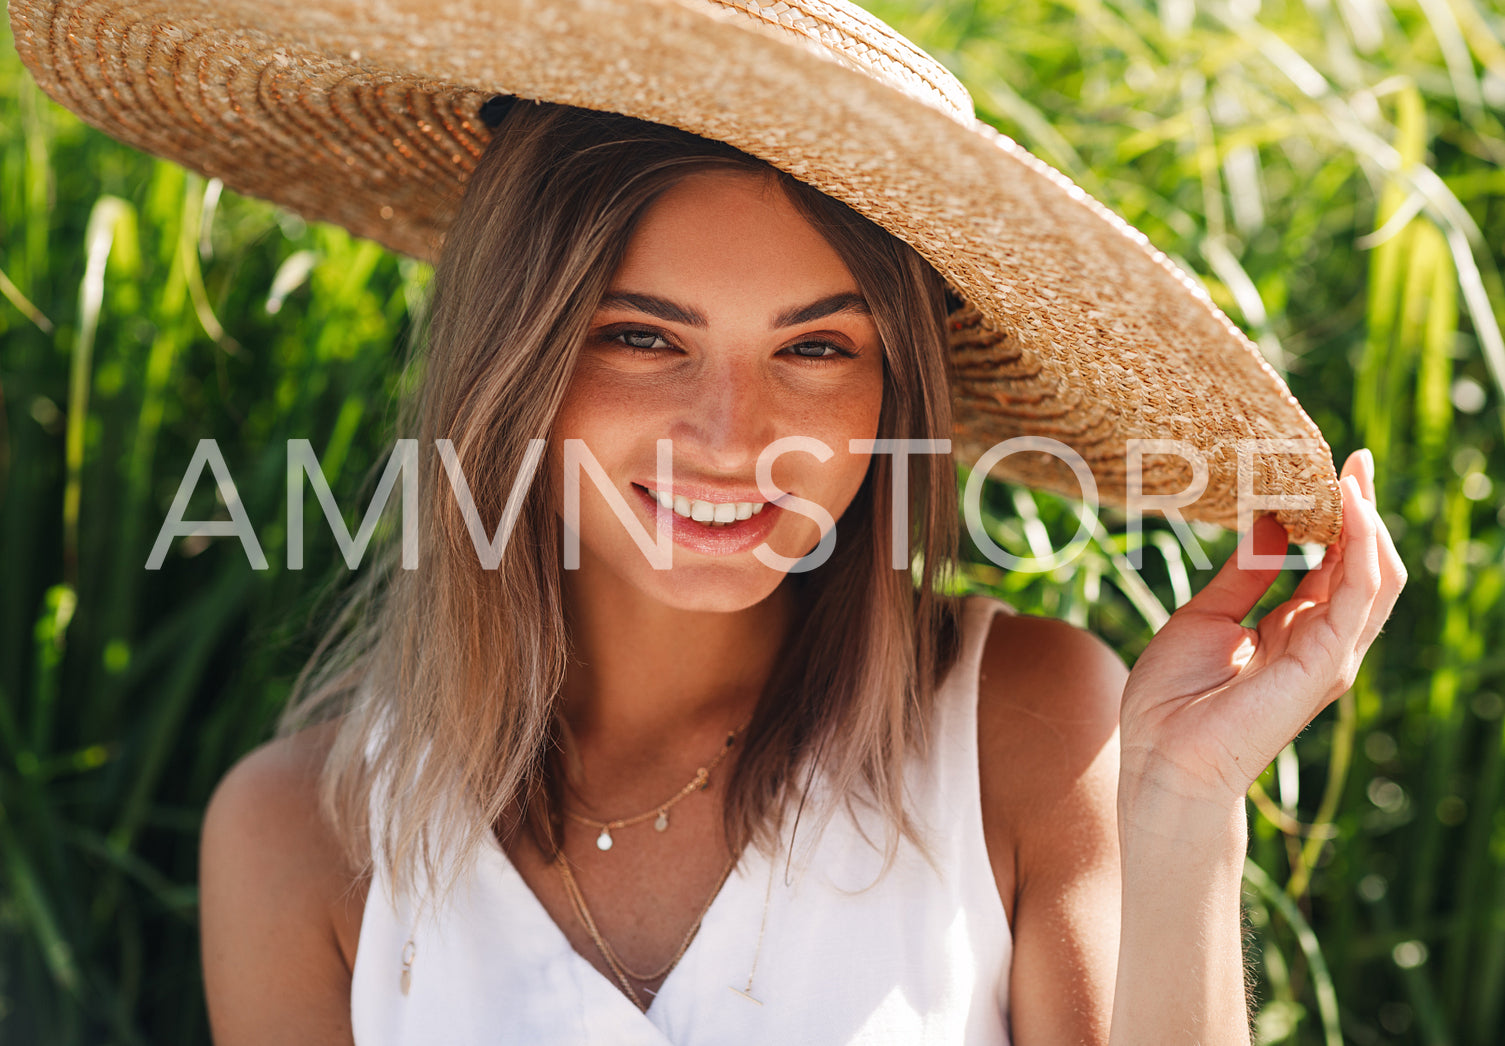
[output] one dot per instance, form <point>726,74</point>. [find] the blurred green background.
<point>1332,171</point>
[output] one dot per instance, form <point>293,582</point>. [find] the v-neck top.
<point>916,956</point>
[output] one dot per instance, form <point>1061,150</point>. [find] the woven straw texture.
<point>363,113</point>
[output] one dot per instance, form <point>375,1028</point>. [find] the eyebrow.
<point>673,312</point>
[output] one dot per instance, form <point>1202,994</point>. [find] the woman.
<point>666,668</point>
<point>775,788</point>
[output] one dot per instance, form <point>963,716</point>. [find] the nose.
<point>727,417</point>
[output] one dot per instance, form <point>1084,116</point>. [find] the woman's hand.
<point>1210,703</point>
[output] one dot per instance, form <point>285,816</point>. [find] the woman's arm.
<point>1181,963</point>
<point>1209,705</point>
<point>1101,912</point>
<point>1135,841</point>
<point>276,903</point>
<point>1048,744</point>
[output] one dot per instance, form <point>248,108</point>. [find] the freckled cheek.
<point>654,392</point>
<point>837,418</point>
<point>837,421</point>
<point>603,408</point>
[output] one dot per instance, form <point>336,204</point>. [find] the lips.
<point>711,513</point>
<point>712,527</point>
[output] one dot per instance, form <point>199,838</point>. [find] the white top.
<point>920,957</point>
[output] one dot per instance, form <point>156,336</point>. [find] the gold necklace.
<point>624,973</point>
<point>698,783</point>
<point>746,991</point>
<point>613,962</point>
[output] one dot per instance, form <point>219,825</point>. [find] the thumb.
<point>1234,590</point>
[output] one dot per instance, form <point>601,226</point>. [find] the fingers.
<point>1360,465</point>
<point>1357,583</point>
<point>1316,585</point>
<point>1233,591</point>
<point>1394,573</point>
<point>1377,565</point>
<point>1355,591</point>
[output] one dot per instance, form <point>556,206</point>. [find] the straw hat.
<point>365,113</point>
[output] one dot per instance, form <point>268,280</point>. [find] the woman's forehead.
<point>729,242</point>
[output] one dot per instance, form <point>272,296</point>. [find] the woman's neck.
<point>647,676</point>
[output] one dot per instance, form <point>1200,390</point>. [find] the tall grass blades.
<point>144,311</point>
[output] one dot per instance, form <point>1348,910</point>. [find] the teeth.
<point>717,513</point>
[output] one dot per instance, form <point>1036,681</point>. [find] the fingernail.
<point>1366,462</point>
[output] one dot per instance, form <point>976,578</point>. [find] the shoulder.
<point>280,904</point>
<point>1047,721</point>
<point>1048,705</point>
<point>1048,692</point>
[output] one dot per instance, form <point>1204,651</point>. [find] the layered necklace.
<point>659,812</point>
<point>624,974</point>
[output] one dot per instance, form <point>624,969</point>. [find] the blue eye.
<point>817,350</point>
<point>644,340</point>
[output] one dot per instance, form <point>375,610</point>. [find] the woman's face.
<point>730,324</point>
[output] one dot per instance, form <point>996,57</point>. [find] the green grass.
<point>1333,171</point>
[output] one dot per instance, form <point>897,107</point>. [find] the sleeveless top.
<point>917,957</point>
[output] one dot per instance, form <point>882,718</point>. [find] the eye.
<point>818,350</point>
<point>641,340</point>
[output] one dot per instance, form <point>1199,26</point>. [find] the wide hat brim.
<point>364,114</point>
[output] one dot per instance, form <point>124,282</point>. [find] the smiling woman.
<point>499,741</point>
<point>724,380</point>
<point>707,299</point>
<point>878,813</point>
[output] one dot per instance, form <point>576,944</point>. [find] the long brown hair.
<point>445,678</point>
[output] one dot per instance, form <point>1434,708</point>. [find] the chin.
<point>711,588</point>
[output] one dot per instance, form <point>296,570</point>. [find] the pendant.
<point>409,953</point>
<point>662,824</point>
<point>603,841</point>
